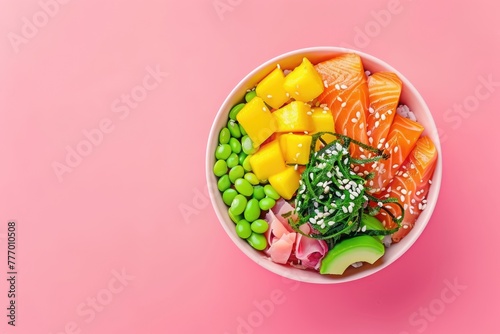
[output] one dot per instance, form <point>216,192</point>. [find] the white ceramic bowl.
<point>409,96</point>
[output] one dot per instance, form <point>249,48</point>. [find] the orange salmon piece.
<point>402,137</point>
<point>410,186</point>
<point>384,89</point>
<point>346,95</point>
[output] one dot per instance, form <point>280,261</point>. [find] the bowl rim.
<point>286,270</point>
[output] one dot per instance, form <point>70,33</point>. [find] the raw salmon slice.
<point>403,135</point>
<point>384,90</point>
<point>410,186</point>
<point>341,75</point>
<point>346,94</point>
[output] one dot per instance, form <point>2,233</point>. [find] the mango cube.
<point>293,117</point>
<point>271,89</point>
<point>257,120</point>
<point>296,148</point>
<point>286,182</point>
<point>322,120</point>
<point>268,160</point>
<point>304,83</point>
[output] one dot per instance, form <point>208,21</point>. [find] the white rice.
<point>404,111</point>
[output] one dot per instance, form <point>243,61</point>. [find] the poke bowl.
<point>324,165</point>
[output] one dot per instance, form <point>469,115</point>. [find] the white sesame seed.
<point>343,86</point>
<point>343,104</point>
<point>337,86</point>
<point>264,108</point>
<point>363,229</point>
<point>370,140</point>
<point>339,98</point>
<point>395,166</point>
<point>306,132</point>
<point>309,113</point>
<point>389,112</point>
<point>377,115</point>
<point>344,209</point>
<point>396,149</point>
<point>383,117</point>
<point>269,96</point>
<point>371,110</point>
<point>325,83</point>
<point>296,167</point>
<point>380,204</point>
<point>402,198</point>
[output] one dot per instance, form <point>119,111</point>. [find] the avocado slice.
<point>373,224</point>
<point>363,248</point>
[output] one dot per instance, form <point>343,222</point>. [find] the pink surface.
<point>134,85</point>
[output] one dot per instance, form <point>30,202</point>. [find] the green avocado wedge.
<point>363,248</point>
<point>373,224</point>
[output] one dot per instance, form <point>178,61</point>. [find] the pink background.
<point>118,210</point>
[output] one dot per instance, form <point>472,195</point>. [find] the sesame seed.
<point>363,229</point>
<point>358,114</point>
<point>299,144</point>
<point>369,132</point>
<point>264,108</point>
<point>405,206</point>
<point>344,209</point>
<point>404,191</point>
<point>383,117</point>
<point>371,110</point>
<point>269,96</point>
<point>325,83</point>
<point>380,204</point>
<point>343,86</point>
<point>339,98</point>
<point>337,87</point>
<point>377,115</point>
<point>370,140</point>
<point>309,113</point>
<point>430,181</point>
<point>343,104</point>
<point>405,174</point>
<point>396,149</point>
<point>405,226</point>
<point>395,166</point>
<point>389,112</point>
<point>296,93</point>
<point>402,198</point>
<point>296,167</point>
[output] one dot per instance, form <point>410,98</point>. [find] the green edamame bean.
<point>233,160</point>
<point>242,157</point>
<point>234,129</point>
<point>220,168</point>
<point>223,151</point>
<point>250,95</point>
<point>235,145</point>
<point>228,196</point>
<point>235,173</point>
<point>252,210</point>
<point>243,186</point>
<point>247,145</point>
<point>224,183</point>
<point>224,136</point>
<point>259,226</point>
<point>250,177</point>
<point>234,218</point>
<point>246,163</point>
<point>243,131</point>
<point>243,229</point>
<point>258,193</point>
<point>238,205</point>
<point>271,192</point>
<point>235,110</point>
<point>257,241</point>
<point>266,203</point>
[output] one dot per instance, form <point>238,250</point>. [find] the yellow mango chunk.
<point>257,120</point>
<point>322,120</point>
<point>293,117</point>
<point>268,160</point>
<point>304,83</point>
<point>296,148</point>
<point>285,182</point>
<point>271,89</point>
